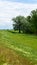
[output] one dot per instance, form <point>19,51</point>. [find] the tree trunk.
<point>19,29</point>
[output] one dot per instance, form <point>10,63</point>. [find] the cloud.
<point>8,10</point>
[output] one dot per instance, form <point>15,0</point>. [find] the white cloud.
<point>8,10</point>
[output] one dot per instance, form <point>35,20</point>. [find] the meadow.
<point>17,49</point>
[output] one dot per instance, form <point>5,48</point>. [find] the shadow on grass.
<point>17,32</point>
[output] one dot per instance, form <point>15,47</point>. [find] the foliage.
<point>28,24</point>
<point>19,21</point>
<point>34,19</point>
<point>21,24</point>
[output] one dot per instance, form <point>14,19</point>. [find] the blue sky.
<point>13,8</point>
<point>23,1</point>
<point>26,1</point>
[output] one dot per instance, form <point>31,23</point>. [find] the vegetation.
<point>20,49</point>
<point>17,48</point>
<point>28,24</point>
<point>19,23</point>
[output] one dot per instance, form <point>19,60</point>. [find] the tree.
<point>28,18</point>
<point>22,24</point>
<point>30,27</point>
<point>28,24</point>
<point>19,21</point>
<point>34,20</point>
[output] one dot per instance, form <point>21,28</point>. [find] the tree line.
<point>26,24</point>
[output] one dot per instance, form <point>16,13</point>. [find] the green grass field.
<point>22,45</point>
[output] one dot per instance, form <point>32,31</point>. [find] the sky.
<point>12,8</point>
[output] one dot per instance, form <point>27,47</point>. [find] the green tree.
<point>22,24</point>
<point>19,21</point>
<point>28,18</point>
<point>28,24</point>
<point>34,20</point>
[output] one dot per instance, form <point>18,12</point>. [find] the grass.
<point>19,45</point>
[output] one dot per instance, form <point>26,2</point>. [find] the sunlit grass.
<point>21,43</point>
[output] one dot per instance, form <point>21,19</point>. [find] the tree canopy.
<point>19,23</point>
<point>26,24</point>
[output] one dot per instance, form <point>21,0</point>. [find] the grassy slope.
<point>10,57</point>
<point>25,45</point>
